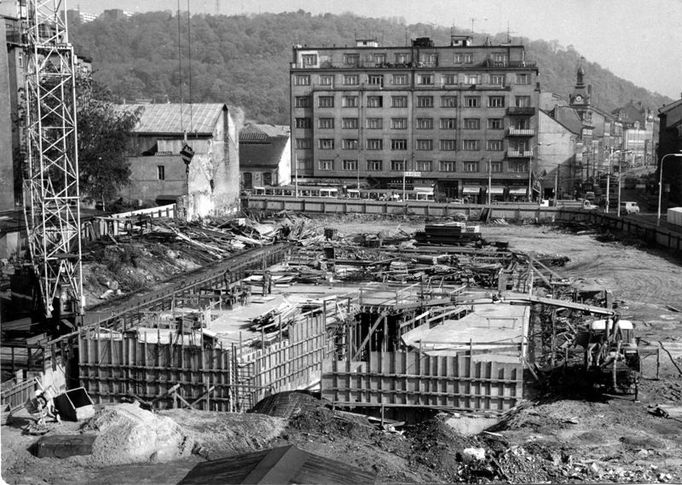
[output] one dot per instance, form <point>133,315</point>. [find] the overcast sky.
<point>639,40</point>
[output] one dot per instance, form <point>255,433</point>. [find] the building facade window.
<point>400,79</point>
<point>500,59</point>
<point>326,80</point>
<point>428,59</point>
<point>425,79</point>
<point>448,101</point>
<point>518,166</point>
<point>304,164</point>
<point>326,143</point>
<point>522,101</point>
<point>448,123</point>
<point>519,145</point>
<point>325,123</point>
<point>523,78</point>
<point>304,123</point>
<point>464,58</point>
<point>471,167</point>
<point>302,80</point>
<point>471,145</point>
<point>496,167</point>
<point>351,80</point>
<point>398,165</point>
<point>399,101</point>
<point>325,102</point>
<point>374,165</point>
<point>425,123</point>
<point>448,166</point>
<point>495,123</point>
<point>304,143</point>
<point>375,144</point>
<point>161,172</point>
<point>399,123</point>
<point>472,101</point>
<point>380,59</point>
<point>375,101</point>
<point>399,144</point>
<point>325,165</point>
<point>471,79</point>
<point>448,145</point>
<point>349,101</point>
<point>349,165</point>
<point>349,143</point>
<point>402,57</point>
<point>349,123</point>
<point>472,124</point>
<point>424,145</point>
<point>375,123</point>
<point>309,60</point>
<point>351,59</point>
<point>375,80</point>
<point>449,79</point>
<point>424,165</point>
<point>495,101</point>
<point>497,79</point>
<point>425,101</point>
<point>495,145</point>
<point>302,102</point>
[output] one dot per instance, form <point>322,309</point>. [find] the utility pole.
<point>490,181</point>
<point>619,178</point>
<point>608,184</point>
<point>556,183</point>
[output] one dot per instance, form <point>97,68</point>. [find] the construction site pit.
<point>445,351</point>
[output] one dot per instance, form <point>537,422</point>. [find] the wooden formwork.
<point>116,365</point>
<point>292,363</point>
<point>413,379</point>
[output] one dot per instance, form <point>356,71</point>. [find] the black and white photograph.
<point>340,242</point>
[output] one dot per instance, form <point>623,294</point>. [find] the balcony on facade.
<point>520,132</point>
<point>519,154</point>
<point>521,110</point>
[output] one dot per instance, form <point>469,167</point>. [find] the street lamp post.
<point>660,183</point>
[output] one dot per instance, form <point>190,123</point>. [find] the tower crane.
<point>51,192</point>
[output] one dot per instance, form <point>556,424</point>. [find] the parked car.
<point>629,207</point>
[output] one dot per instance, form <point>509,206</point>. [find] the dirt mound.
<point>217,435</point>
<point>129,434</point>
<point>286,404</point>
<point>327,422</point>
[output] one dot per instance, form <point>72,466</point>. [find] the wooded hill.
<point>244,60</point>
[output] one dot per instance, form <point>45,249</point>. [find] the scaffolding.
<point>51,193</point>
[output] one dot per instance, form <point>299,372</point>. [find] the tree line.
<point>243,60</point>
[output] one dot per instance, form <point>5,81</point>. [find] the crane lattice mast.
<point>51,193</point>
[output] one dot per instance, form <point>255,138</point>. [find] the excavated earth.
<point>563,436</point>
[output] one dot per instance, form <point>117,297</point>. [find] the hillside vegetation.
<point>244,60</point>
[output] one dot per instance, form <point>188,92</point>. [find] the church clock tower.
<point>580,98</point>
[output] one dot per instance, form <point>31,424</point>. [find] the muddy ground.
<point>565,436</point>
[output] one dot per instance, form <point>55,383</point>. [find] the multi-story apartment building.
<point>450,116</point>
